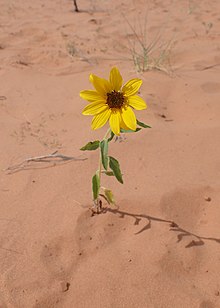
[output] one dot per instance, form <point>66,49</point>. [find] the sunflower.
<point>110,101</point>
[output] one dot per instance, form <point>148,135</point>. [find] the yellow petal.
<point>122,125</point>
<point>95,108</point>
<point>100,119</point>
<point>137,102</point>
<point>101,85</point>
<point>114,122</point>
<point>129,118</point>
<point>91,96</point>
<point>132,87</point>
<point>115,79</point>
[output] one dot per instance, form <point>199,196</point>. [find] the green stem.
<point>100,156</point>
<point>107,133</point>
<point>100,166</point>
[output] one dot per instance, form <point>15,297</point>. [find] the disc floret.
<point>115,99</point>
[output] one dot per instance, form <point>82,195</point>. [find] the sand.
<point>161,248</point>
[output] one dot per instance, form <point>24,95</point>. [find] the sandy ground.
<point>162,247</point>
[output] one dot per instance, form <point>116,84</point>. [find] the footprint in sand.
<point>100,231</point>
<point>185,205</point>
<point>60,257</point>
<point>211,87</point>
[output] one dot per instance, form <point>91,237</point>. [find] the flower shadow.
<point>195,239</point>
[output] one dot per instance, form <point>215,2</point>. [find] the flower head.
<point>114,102</point>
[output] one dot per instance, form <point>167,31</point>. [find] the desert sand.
<point>161,248</point>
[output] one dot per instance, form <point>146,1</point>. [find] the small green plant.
<point>148,54</point>
<point>71,49</point>
<point>208,26</point>
<point>191,7</point>
<point>110,101</point>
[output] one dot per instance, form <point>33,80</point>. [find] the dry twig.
<point>53,158</point>
<point>76,7</point>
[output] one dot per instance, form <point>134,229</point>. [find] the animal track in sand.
<point>40,131</point>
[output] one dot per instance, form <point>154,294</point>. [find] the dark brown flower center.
<point>115,99</point>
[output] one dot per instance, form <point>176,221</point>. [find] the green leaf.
<point>114,165</point>
<point>129,130</point>
<point>109,173</point>
<point>95,186</point>
<point>111,137</point>
<point>109,196</point>
<point>142,124</point>
<point>104,153</point>
<point>91,146</point>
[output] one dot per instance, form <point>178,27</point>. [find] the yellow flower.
<point>110,101</point>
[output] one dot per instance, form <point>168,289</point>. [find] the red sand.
<point>53,253</point>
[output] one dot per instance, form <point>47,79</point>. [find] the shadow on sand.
<point>181,233</point>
